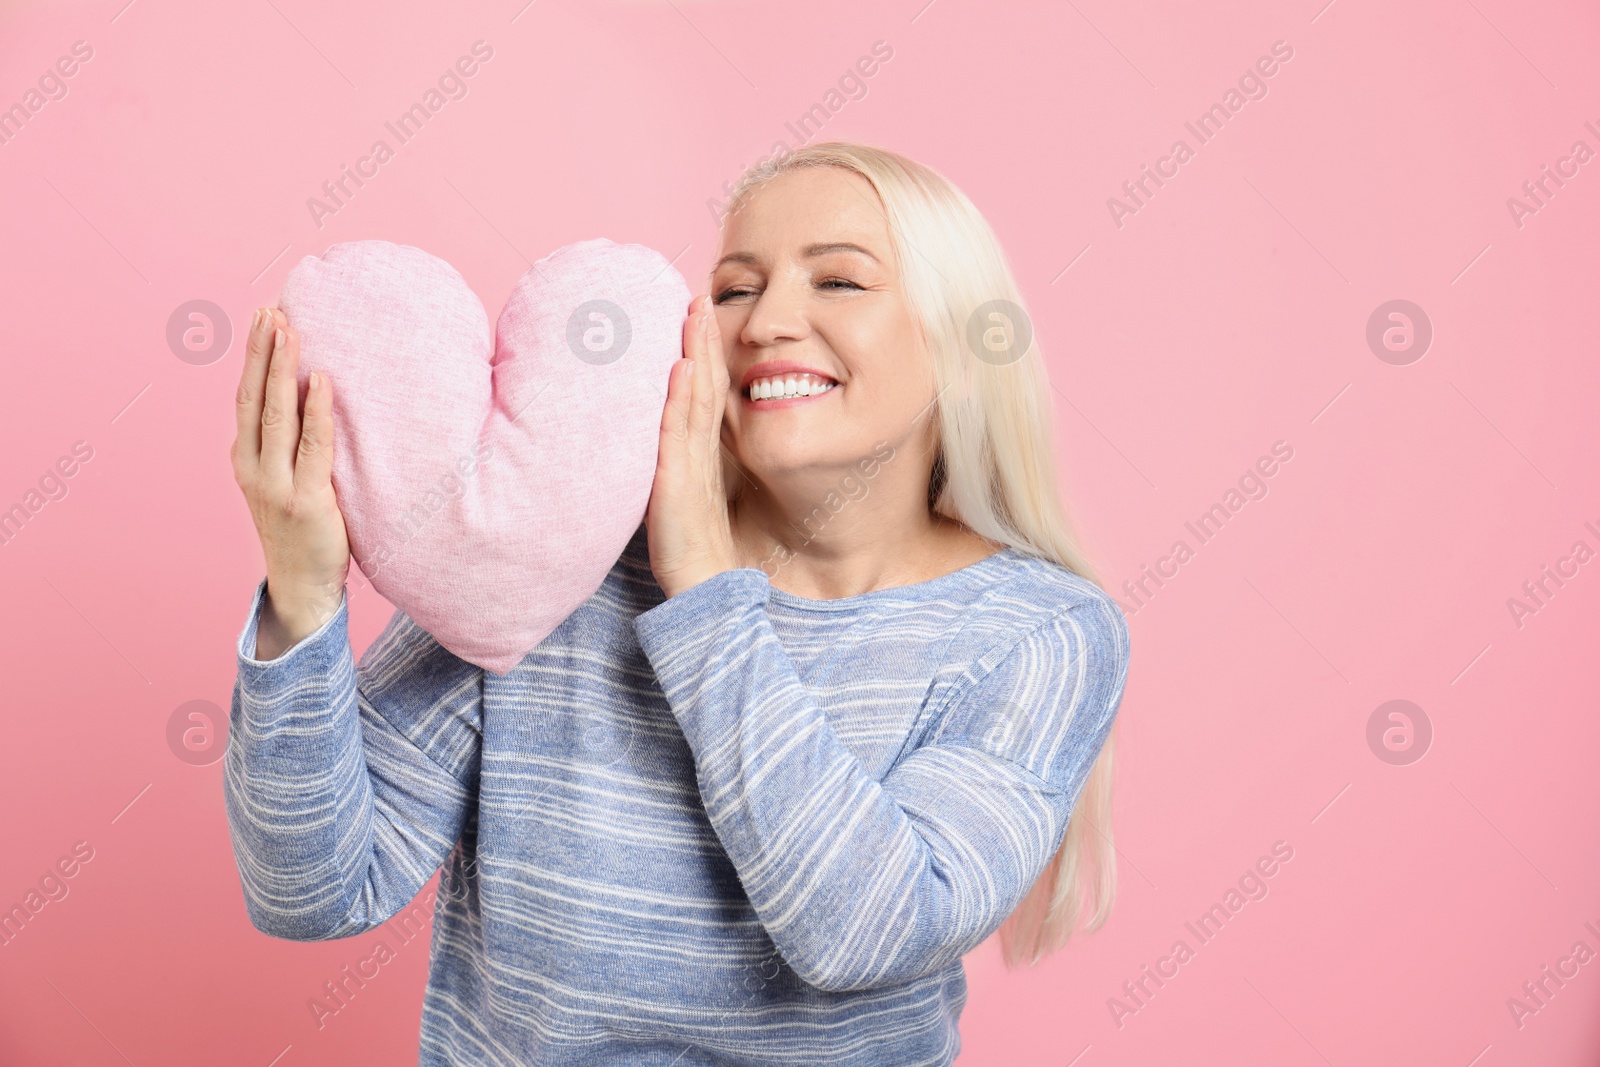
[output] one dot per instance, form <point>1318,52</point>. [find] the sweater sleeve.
<point>860,882</point>
<point>346,786</point>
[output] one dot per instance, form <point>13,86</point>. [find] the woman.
<point>816,736</point>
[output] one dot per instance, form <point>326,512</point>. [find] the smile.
<point>789,386</point>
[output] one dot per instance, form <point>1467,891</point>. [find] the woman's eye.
<point>738,292</point>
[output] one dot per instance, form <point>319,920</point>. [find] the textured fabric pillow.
<point>489,483</point>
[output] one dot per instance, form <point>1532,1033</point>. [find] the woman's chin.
<point>774,459</point>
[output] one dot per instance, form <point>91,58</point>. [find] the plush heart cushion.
<point>488,483</point>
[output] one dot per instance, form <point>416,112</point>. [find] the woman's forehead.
<point>809,206</point>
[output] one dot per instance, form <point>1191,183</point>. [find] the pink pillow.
<point>489,483</point>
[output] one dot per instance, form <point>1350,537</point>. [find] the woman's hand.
<point>284,464</point>
<point>687,522</point>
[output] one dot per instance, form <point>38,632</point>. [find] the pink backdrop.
<point>1188,331</point>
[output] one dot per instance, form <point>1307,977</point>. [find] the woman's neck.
<point>826,545</point>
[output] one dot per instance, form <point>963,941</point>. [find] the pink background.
<point>1227,314</point>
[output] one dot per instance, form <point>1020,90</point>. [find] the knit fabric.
<point>738,826</point>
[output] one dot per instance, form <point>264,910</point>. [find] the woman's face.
<point>824,362</point>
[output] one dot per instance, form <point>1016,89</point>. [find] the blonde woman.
<point>840,710</point>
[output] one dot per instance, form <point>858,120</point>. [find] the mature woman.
<point>821,731</point>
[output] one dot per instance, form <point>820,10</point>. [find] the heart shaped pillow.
<point>489,483</point>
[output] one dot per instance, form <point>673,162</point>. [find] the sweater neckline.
<point>913,591</point>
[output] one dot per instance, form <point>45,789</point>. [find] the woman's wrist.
<point>686,578</point>
<point>290,615</point>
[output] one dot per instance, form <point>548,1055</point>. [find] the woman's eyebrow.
<point>809,251</point>
<point>736,257</point>
<point>838,246</point>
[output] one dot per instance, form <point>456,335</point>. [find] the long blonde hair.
<point>994,469</point>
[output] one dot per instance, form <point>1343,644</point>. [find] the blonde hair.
<point>994,469</point>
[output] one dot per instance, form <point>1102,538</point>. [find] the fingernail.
<point>278,340</point>
<point>314,381</point>
<point>255,321</point>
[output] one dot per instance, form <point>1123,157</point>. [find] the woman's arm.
<point>346,786</point>
<point>862,883</point>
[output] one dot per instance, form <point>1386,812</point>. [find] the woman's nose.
<point>778,314</point>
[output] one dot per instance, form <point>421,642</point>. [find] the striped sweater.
<point>738,826</point>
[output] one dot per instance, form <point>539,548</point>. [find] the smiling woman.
<point>877,311</point>
<point>721,815</point>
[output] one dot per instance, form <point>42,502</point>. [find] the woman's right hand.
<point>283,461</point>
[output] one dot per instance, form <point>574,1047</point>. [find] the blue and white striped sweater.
<point>734,827</point>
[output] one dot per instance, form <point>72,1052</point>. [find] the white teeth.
<point>780,387</point>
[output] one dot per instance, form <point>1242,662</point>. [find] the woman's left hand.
<point>687,521</point>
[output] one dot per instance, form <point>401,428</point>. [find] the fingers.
<point>718,359</point>
<point>252,383</point>
<point>703,410</point>
<point>313,464</point>
<point>710,388</point>
<point>696,391</point>
<point>675,415</point>
<point>694,336</point>
<point>280,410</point>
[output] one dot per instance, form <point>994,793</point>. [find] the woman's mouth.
<point>788,387</point>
